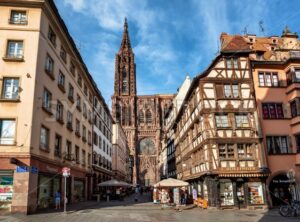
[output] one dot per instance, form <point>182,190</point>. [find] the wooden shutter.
<point>219,91</point>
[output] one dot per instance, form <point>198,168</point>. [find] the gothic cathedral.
<point>140,116</point>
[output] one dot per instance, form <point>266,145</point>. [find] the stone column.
<point>24,193</point>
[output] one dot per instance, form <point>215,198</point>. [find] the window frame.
<point>16,55</point>
<point>276,114</point>
<point>273,148</point>
<point>45,147</point>
<point>20,21</point>
<point>271,83</point>
<point>3,92</point>
<point>12,139</point>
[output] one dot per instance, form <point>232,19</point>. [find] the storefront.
<point>79,190</point>
<point>47,186</point>
<point>6,189</point>
<point>233,192</point>
<point>283,189</point>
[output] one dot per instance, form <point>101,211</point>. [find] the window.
<point>52,36</point>
<point>79,80</point>
<point>84,110</point>
<point>44,138</point>
<point>18,17</point>
<point>244,151</point>
<point>10,88</point>
<point>49,66</point>
<point>268,79</point>
<point>89,159</point>
<point>7,131</point>
<point>77,154</point>
<point>232,63</point>
<point>297,137</point>
<point>148,117</point>
<point>241,120</point>
<point>85,90</point>
<point>231,91</point>
<point>83,132</point>
<point>77,127</point>
<point>226,151</point>
<point>228,63</point>
<point>63,54</point>
<point>294,110</point>
<point>57,148</point>
<point>47,97</point>
<point>72,68</point>
<point>78,102</point>
<point>272,111</point>
<point>124,80</point>
<point>71,92</point>
<point>15,49</point>
<point>69,120</point>
<point>141,116</point>
<point>297,75</point>
<point>59,111</point>
<point>89,137</point>
<point>68,150</point>
<point>83,157</point>
<point>222,121</point>
<point>95,139</point>
<point>277,145</point>
<point>61,80</point>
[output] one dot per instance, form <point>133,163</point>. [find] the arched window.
<point>124,80</point>
<point>141,116</point>
<point>148,116</point>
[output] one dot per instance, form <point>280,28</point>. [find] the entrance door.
<point>240,193</point>
<point>226,194</point>
<point>282,189</point>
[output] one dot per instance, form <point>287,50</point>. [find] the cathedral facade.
<point>140,116</point>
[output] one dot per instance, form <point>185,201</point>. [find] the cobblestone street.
<point>145,211</point>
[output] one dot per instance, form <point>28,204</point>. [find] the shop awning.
<point>243,175</point>
<point>171,182</point>
<point>114,183</point>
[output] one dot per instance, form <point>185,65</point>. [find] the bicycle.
<point>290,210</point>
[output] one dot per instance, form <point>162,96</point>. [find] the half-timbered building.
<point>218,148</point>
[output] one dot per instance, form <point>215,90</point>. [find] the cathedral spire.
<point>125,44</point>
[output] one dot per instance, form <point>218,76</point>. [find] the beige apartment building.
<point>120,162</point>
<point>46,108</point>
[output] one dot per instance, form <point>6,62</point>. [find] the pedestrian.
<point>57,199</point>
<point>107,195</point>
<point>164,198</point>
<point>136,194</point>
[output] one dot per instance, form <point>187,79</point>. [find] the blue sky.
<point>170,38</point>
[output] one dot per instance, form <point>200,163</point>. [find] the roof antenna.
<point>262,29</point>
<point>245,31</point>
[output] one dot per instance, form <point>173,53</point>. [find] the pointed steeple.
<point>125,44</point>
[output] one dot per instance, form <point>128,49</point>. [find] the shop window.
<point>10,89</point>
<point>278,145</point>
<point>7,131</point>
<point>226,194</point>
<point>272,111</point>
<point>6,189</point>
<point>255,190</point>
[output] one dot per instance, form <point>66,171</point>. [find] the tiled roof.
<point>237,43</point>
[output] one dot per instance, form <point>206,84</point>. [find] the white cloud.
<point>77,5</point>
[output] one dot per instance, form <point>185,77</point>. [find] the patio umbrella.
<point>170,182</point>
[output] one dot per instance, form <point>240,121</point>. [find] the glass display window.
<point>255,193</point>
<point>226,194</point>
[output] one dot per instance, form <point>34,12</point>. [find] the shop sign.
<point>34,170</point>
<point>284,181</point>
<point>22,169</point>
